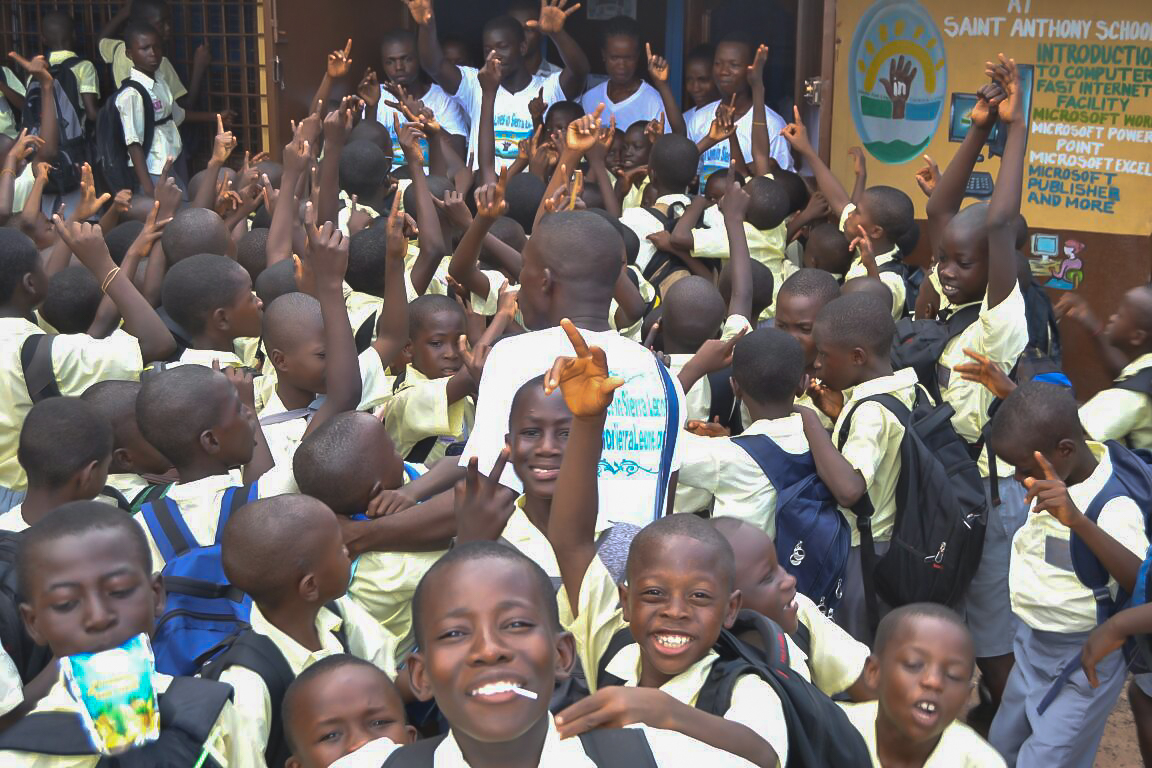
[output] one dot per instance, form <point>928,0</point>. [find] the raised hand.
<point>223,144</point>
<point>657,65</point>
<point>653,131</point>
<point>928,177</point>
<point>37,67</point>
<point>340,61</point>
<point>1003,73</point>
<point>396,238</point>
<point>537,108</point>
<point>756,68</point>
<point>735,201</point>
<point>1051,494</point>
<point>490,198</point>
<point>202,56</point>
<point>796,134</point>
<point>421,10</point>
<point>327,253</point>
<point>723,126</point>
<point>369,88</point>
<point>553,14</point>
<point>483,505</point>
<point>862,244</point>
<point>86,241</point>
<point>583,133</point>
<point>122,202</point>
<point>985,372</point>
<point>898,85</point>
<point>89,204</point>
<point>489,74</point>
<point>169,196</point>
<point>1074,307</point>
<point>26,144</point>
<point>584,381</point>
<point>984,114</point>
<point>858,163</point>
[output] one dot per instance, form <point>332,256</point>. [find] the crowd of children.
<point>506,419</point>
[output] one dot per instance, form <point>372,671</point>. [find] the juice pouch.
<point>117,696</point>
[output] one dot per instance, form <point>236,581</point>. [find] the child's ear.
<point>276,357</point>
<point>219,319</point>
<point>420,684</point>
<point>734,602</point>
<point>871,672</point>
<point>292,762</point>
<point>86,478</point>
<point>1065,448</point>
<point>737,392</point>
<point>860,356</point>
<point>29,616</point>
<point>876,233</point>
<point>209,442</point>
<point>122,459</point>
<point>565,655</point>
<point>412,733</point>
<point>625,609</point>
<point>308,589</point>
<point>159,596</point>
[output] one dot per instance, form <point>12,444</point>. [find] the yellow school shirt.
<point>520,533</point>
<point>873,447</point>
<point>113,52</point>
<point>1001,333</point>
<point>835,659</point>
<point>420,409</point>
<point>231,743</point>
<point>86,79</point>
<point>206,357</point>
<point>959,745</point>
<point>78,360</point>
<point>730,474</point>
<point>361,308</point>
<point>894,280</point>
<point>166,141</point>
<point>1120,414</point>
<point>647,293</point>
<point>805,400</point>
<point>754,703</point>
<point>383,584</point>
<point>8,118</point>
<point>130,485</point>
<point>365,641</point>
<point>669,748</point>
<point>764,245</point>
<point>1045,592</point>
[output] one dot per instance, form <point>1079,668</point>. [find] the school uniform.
<point>231,742</point>
<point>419,409</point>
<point>86,79</point>
<point>959,745</point>
<point>113,52</point>
<point>894,280</point>
<point>128,484</point>
<point>668,748</point>
<point>9,120</point>
<point>482,305</point>
<point>1000,333</point>
<point>166,140</point>
<point>643,223</point>
<point>765,246</point>
<point>206,357</point>
<point>1121,414</point>
<point>727,472</point>
<point>834,659</point>
<point>648,295</point>
<point>78,360</point>
<point>872,447</point>
<point>754,703</point>
<point>1057,612</point>
<point>366,640</point>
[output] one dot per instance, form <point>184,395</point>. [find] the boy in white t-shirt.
<point>504,41</point>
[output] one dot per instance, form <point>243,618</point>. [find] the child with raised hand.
<point>87,559</point>
<point>77,360</point>
<point>343,712</point>
<point>287,553</point>
<point>1083,544</point>
<point>625,94</point>
<point>921,668</point>
<point>678,597</point>
<point>886,215</point>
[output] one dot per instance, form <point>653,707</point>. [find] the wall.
<point>1088,175</point>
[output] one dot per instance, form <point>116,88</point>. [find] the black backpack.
<point>913,278</point>
<point>918,344</point>
<point>30,659</point>
<point>74,132</point>
<point>111,166</point>
<point>189,710</point>
<point>724,408</point>
<point>819,733</point>
<point>36,363</point>
<point>606,747</point>
<point>664,264</point>
<point>941,512</point>
<point>258,653</point>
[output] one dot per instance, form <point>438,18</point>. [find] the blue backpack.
<point>812,535</point>
<point>202,608</point>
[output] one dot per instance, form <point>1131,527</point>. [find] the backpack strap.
<point>169,530</point>
<point>234,498</point>
<point>780,467</point>
<point>618,748</point>
<point>364,333</point>
<point>48,733</point>
<point>1141,382</point>
<point>120,499</point>
<point>723,407</point>
<point>621,639</point>
<point>36,361</point>
<point>672,425</point>
<point>418,754</point>
<point>420,451</point>
<point>193,705</point>
<point>150,492</point>
<point>306,412</point>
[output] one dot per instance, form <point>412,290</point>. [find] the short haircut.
<point>276,280</point>
<point>508,231</point>
<point>570,109</point>
<point>141,8</point>
<point>437,186</point>
<point>120,238</point>
<point>631,241</point>
<point>689,527</point>
<point>268,544</point>
<point>77,518</point>
<point>71,301</point>
<point>770,204</point>
<point>199,285</point>
<point>115,400</point>
<point>363,168</point>
<point>193,231</point>
<point>891,210</point>
<point>892,622</point>
<point>768,364</point>
<point>703,52</point>
<point>763,284</point>
<point>674,161</point>
<point>859,320</point>
<point>61,436</point>
<point>507,24</point>
<point>620,26</point>
<point>582,249</point>
<point>311,673</point>
<point>367,252</point>
<point>825,239</point>
<point>534,385</point>
<point>1037,414</point>
<point>137,28</point>
<point>374,133</point>
<point>56,24</point>
<point>487,550</point>
<point>287,317</point>
<point>693,313</point>
<point>175,407</point>
<point>871,286</point>
<point>523,196</point>
<point>398,35</point>
<point>327,465</point>
<point>252,252</point>
<point>811,283</point>
<point>422,309</point>
<point>18,257</point>
<point>798,192</point>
